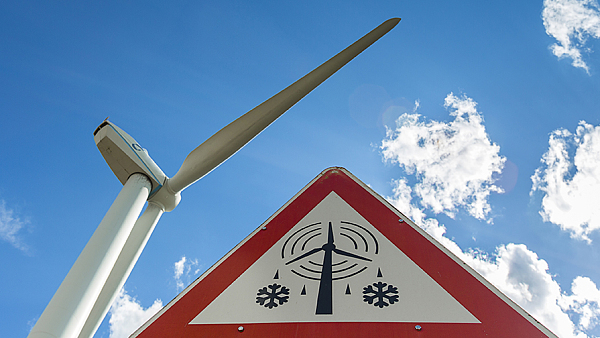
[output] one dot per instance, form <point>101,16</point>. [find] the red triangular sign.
<point>338,260</point>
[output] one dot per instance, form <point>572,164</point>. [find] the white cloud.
<point>571,188</point>
<point>178,267</point>
<point>571,23</point>
<point>183,273</point>
<point>402,200</point>
<point>523,277</point>
<point>10,227</point>
<point>520,274</point>
<point>455,162</point>
<point>584,301</point>
<point>127,315</point>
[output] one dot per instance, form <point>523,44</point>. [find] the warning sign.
<point>339,260</point>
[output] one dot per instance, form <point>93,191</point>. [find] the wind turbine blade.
<point>330,234</point>
<point>313,251</point>
<point>348,254</point>
<point>238,133</point>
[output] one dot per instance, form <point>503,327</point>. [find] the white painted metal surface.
<point>132,249</point>
<point>68,310</point>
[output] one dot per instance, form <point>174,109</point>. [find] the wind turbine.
<point>85,295</point>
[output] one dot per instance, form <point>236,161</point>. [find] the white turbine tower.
<point>85,295</point>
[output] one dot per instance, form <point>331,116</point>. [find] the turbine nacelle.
<point>126,157</point>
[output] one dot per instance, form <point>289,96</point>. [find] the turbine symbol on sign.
<point>348,265</point>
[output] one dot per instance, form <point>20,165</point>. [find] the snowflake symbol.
<point>381,295</point>
<point>263,295</point>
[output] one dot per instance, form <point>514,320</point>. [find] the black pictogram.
<point>324,272</point>
<point>272,295</point>
<point>380,295</point>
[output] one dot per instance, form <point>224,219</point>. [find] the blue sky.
<point>479,120</point>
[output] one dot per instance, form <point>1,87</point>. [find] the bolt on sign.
<point>339,260</point>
